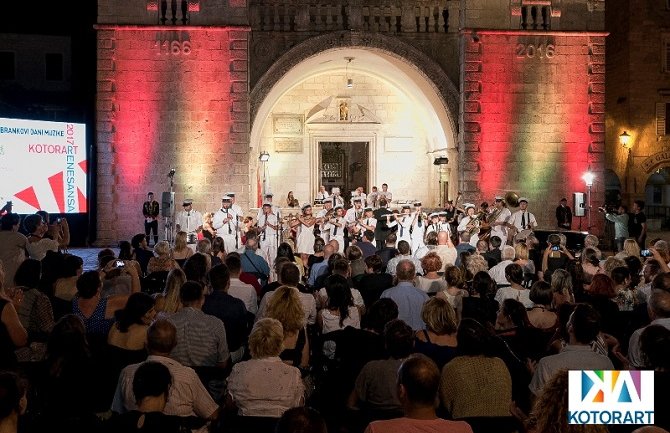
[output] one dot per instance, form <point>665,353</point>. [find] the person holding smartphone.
<point>620,219</point>
<point>556,255</point>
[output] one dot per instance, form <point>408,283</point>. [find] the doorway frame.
<point>350,133</point>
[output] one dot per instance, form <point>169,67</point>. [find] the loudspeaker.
<point>579,208</point>
<point>167,204</point>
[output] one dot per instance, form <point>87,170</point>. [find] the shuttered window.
<point>662,123</point>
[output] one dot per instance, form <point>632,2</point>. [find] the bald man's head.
<point>405,270</point>
<point>161,337</point>
<point>328,250</point>
<point>442,238</point>
<point>335,244</point>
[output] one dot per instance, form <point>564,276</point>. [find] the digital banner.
<point>43,166</point>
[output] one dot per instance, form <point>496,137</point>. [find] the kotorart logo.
<point>610,397</point>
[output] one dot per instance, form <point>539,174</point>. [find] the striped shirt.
<point>201,338</point>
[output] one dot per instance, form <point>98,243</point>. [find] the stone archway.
<point>409,69</point>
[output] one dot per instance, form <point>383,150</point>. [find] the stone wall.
<point>169,98</point>
<point>533,116</point>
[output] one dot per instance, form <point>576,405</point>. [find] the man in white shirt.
<point>385,193</point>
<point>353,215</point>
<point>268,224</point>
<point>335,197</point>
<point>226,224</point>
<point>500,223</point>
<point>498,271</point>
<point>240,215</point>
<point>275,209</point>
<point>446,250</point>
<point>238,289</point>
<point>322,195</point>
<point>336,226</point>
<point>190,221</point>
<point>404,253</point>
<point>522,219</point>
<point>658,307</point>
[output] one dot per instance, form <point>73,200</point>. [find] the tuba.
<point>512,199</point>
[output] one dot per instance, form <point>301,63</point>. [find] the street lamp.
<point>264,157</point>
<point>588,178</point>
<point>624,139</point>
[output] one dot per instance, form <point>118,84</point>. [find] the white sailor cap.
<point>338,207</point>
<point>306,205</point>
<point>269,194</point>
<point>226,198</point>
<point>434,215</point>
<point>230,194</point>
<point>187,202</point>
<point>357,198</point>
<point>468,205</point>
<point>417,204</point>
<point>368,208</point>
<point>523,199</point>
<point>267,204</point>
<point>499,198</point>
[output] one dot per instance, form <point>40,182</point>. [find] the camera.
<point>58,220</point>
<point>645,253</point>
<point>120,263</point>
<point>555,248</point>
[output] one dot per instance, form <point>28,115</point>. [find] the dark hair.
<point>71,264</point>
<point>380,313</point>
<point>285,250</point>
<point>12,390</point>
<point>234,263</point>
<point>473,339</point>
<point>541,293</point>
<point>495,241</point>
<point>619,274</point>
<point>483,284</point>
<point>339,296</point>
<point>585,322</point>
<point>125,251</point>
<point>289,274</point>
<point>640,204</point>
<point>375,263</point>
<point>151,379</point>
<point>137,240</point>
<point>218,245</point>
<point>190,292</point>
<point>403,247</point>
<point>420,377</point>
<point>634,266</point>
<point>589,255</point>
<point>195,268</point>
<point>516,312</point>
<point>28,274</point>
<point>88,284</point>
<point>661,282</point>
<point>137,305</point>
<point>105,256</point>
<point>9,220</point>
<point>655,347</point>
<point>219,276</point>
<point>369,234</point>
<point>399,339</point>
<point>67,341</point>
<point>31,222</point>
<point>514,273</point>
<point>333,258</point>
<point>453,276</point>
<point>301,420</point>
<point>341,266</point>
<point>319,243</point>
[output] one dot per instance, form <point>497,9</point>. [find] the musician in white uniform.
<point>335,197</point>
<point>336,226</point>
<point>372,198</point>
<point>322,195</point>
<point>190,221</point>
<point>499,220</point>
<point>368,222</point>
<point>418,228</point>
<point>385,193</point>
<point>353,215</point>
<point>466,221</point>
<point>275,209</point>
<point>405,221</point>
<point>240,215</point>
<point>322,221</point>
<point>522,219</point>
<point>360,194</point>
<point>268,227</point>
<point>226,224</point>
<point>433,223</point>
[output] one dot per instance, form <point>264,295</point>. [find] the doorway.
<point>344,165</point>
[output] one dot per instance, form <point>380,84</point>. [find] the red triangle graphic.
<point>28,195</point>
<point>83,166</point>
<point>56,182</point>
<point>82,201</point>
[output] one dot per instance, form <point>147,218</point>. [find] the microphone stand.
<point>280,226</point>
<point>169,220</point>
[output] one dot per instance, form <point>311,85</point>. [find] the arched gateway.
<point>348,109</point>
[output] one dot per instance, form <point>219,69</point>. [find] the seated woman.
<point>356,261</point>
<point>163,262</point>
<point>66,287</point>
<point>265,386</point>
<point>286,307</point>
<point>129,333</point>
<point>431,281</point>
<point>35,310</point>
<point>540,315</point>
<point>454,293</point>
<point>181,250</point>
<point>291,201</point>
<point>513,326</point>
<point>476,383</point>
<point>438,340</point>
<point>141,252</point>
<point>12,332</point>
<point>168,302</point>
<point>38,243</point>
<point>339,310</point>
<point>480,305</point>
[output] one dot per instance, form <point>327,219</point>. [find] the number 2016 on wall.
<point>532,50</point>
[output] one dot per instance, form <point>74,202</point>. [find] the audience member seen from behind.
<point>454,293</point>
<point>417,386</point>
<point>409,299</point>
<point>35,311</point>
<point>339,311</point>
<point>301,420</point>
<point>285,306</point>
<point>12,332</point>
<point>141,252</point>
<point>168,301</point>
<point>431,281</point>
<point>540,315</point>
<point>374,282</point>
<point>480,305</point>
<point>162,261</point>
<point>12,245</point>
<point>438,340</point>
<point>38,243</point>
<point>13,401</point>
<point>265,386</point>
<point>129,332</point>
<point>65,287</point>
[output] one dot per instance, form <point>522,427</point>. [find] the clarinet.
<point>237,231</point>
<point>265,226</point>
<point>280,227</point>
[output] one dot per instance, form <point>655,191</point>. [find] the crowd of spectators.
<point>442,339</point>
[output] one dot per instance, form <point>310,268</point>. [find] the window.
<point>53,63</point>
<point>662,114</point>
<point>657,194</point>
<point>665,55</point>
<point>7,65</point>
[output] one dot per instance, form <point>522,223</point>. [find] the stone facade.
<point>194,91</point>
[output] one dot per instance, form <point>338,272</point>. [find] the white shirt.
<point>501,230</point>
<point>498,272</point>
<point>222,224</point>
<point>308,304</point>
<point>522,296</point>
<point>322,195</point>
<point>188,221</point>
<point>267,232</point>
<point>245,293</point>
<point>275,210</point>
<point>518,216</point>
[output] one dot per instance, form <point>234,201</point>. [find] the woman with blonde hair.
<point>208,231</point>
<point>521,257</point>
<point>163,262</point>
<point>168,301</point>
<point>630,249</point>
<point>286,307</point>
<point>438,340</point>
<point>454,293</point>
<point>431,281</point>
<point>181,251</point>
<point>561,288</point>
<point>474,264</point>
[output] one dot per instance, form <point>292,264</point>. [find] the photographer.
<point>556,256</point>
<point>620,219</point>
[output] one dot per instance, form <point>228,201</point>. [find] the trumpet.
<point>475,222</point>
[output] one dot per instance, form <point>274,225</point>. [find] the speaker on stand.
<point>579,206</point>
